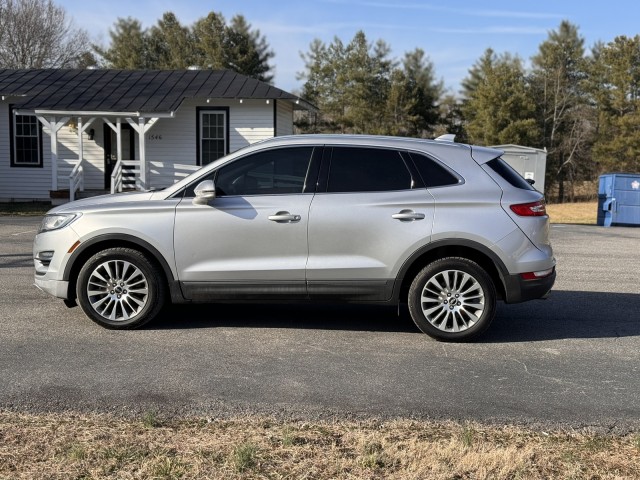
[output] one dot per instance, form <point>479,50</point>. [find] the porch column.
<point>143,152</point>
<point>117,128</point>
<point>81,129</point>
<point>141,129</point>
<point>53,128</point>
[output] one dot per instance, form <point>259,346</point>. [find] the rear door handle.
<point>407,216</point>
<point>284,217</point>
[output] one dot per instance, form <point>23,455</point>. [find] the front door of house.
<point>111,150</point>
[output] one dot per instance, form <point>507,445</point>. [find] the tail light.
<point>533,209</point>
<point>537,275</point>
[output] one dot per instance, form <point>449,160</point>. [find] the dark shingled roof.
<point>144,91</point>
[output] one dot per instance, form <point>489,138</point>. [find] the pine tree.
<point>170,45</point>
<point>563,114</point>
<point>246,51</point>
<point>498,108</point>
<point>615,85</point>
<point>208,43</point>
<point>129,46</point>
<point>360,89</point>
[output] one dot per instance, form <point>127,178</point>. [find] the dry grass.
<point>584,213</point>
<point>99,446</point>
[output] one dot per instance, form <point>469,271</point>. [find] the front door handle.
<point>407,216</point>
<point>284,217</point>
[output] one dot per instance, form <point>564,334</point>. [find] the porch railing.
<point>124,174</point>
<point>160,174</point>
<point>76,181</point>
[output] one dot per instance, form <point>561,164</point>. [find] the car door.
<point>251,240</point>
<point>370,213</point>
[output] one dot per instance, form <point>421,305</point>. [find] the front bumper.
<point>519,290</point>
<point>57,288</point>
<point>48,275</point>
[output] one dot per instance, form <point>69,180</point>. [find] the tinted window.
<point>367,170</point>
<point>266,173</point>
<point>505,170</point>
<point>433,174</point>
<point>271,172</point>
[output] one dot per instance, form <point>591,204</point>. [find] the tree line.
<point>581,105</point>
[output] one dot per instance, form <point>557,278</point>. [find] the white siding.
<point>174,140</point>
<point>21,183</point>
<point>284,118</point>
<point>93,166</point>
<point>250,122</point>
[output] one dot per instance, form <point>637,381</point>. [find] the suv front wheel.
<point>119,288</point>
<point>452,299</point>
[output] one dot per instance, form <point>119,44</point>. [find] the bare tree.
<point>39,34</point>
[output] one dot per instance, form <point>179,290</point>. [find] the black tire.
<point>127,289</point>
<point>459,299</point>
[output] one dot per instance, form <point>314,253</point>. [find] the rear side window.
<point>367,170</point>
<point>433,174</point>
<point>507,172</point>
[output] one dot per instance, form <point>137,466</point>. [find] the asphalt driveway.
<point>572,359</point>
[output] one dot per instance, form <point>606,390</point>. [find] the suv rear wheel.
<point>452,299</point>
<point>119,288</point>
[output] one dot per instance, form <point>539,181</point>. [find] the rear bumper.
<point>519,290</point>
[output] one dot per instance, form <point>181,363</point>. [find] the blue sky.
<point>453,34</point>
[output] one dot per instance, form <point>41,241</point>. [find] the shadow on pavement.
<point>369,318</point>
<point>565,314</point>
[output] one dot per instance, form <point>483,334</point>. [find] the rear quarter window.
<point>433,174</point>
<point>507,172</point>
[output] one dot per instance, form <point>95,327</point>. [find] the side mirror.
<point>205,191</point>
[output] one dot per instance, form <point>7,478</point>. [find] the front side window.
<point>213,135</point>
<point>272,172</point>
<point>361,169</point>
<point>26,148</point>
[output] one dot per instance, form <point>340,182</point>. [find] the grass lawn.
<point>102,446</point>
<point>24,208</point>
<point>584,213</point>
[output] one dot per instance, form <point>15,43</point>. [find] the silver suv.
<point>444,227</point>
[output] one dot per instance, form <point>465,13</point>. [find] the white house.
<point>67,130</point>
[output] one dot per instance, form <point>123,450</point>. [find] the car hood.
<point>102,201</point>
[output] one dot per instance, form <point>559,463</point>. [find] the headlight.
<point>57,221</point>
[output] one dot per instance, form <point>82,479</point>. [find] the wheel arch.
<point>469,249</point>
<point>101,242</point>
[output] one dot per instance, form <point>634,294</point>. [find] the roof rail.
<point>447,137</point>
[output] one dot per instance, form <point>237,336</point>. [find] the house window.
<point>213,136</point>
<point>26,141</point>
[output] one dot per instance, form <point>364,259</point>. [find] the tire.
<point>452,299</point>
<point>120,288</point>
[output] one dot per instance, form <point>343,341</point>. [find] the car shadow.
<point>369,318</point>
<point>567,314</point>
<point>564,315</point>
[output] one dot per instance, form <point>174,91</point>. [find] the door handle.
<point>407,216</point>
<point>284,217</point>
